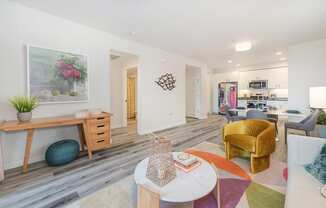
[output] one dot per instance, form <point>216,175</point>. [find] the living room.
<point>72,145</point>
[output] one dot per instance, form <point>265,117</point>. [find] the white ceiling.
<point>202,29</point>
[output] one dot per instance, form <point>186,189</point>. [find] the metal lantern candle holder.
<point>161,169</point>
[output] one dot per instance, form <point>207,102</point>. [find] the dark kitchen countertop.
<point>278,99</point>
<point>269,99</point>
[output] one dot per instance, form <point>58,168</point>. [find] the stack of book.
<point>186,162</point>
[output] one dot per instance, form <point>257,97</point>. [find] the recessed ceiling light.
<point>132,33</point>
<point>243,46</point>
<point>282,59</point>
<point>238,65</point>
<point>278,53</point>
<point>230,61</point>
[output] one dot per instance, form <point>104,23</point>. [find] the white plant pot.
<point>24,117</point>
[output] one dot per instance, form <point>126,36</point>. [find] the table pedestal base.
<point>149,199</point>
<point>177,205</point>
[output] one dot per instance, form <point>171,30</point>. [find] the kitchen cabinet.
<point>280,105</point>
<point>242,103</point>
<point>277,78</point>
<point>258,75</point>
<point>248,76</point>
<point>283,105</point>
<point>226,77</point>
<point>243,81</point>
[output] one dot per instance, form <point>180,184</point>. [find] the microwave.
<point>258,84</point>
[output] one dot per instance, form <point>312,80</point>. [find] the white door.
<point>197,96</point>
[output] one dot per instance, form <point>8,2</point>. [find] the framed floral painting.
<point>55,76</point>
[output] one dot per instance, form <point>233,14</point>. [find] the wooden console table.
<point>94,131</point>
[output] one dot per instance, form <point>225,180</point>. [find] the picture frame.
<point>56,76</point>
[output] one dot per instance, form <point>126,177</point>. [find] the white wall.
<point>307,68</point>
<point>118,88</point>
<point>20,25</point>
<point>154,102</point>
<point>193,91</point>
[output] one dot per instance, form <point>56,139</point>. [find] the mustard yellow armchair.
<point>257,137</point>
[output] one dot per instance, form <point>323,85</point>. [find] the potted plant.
<point>24,106</point>
<point>322,124</point>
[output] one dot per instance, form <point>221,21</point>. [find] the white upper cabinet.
<point>226,77</point>
<point>258,75</point>
<point>244,80</point>
<point>277,78</point>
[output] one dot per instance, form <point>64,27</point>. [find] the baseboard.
<point>117,126</point>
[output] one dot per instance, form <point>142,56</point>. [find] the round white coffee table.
<point>186,187</point>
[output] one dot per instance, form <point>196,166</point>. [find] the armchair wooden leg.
<point>258,164</point>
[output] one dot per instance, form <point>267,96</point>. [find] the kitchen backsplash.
<point>278,93</point>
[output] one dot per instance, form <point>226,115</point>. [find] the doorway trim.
<point>198,113</point>
<point>122,52</point>
<point>125,96</point>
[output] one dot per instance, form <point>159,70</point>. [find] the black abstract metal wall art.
<point>166,81</point>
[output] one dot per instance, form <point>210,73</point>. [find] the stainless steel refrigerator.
<point>227,95</point>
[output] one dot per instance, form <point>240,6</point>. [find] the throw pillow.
<point>318,167</point>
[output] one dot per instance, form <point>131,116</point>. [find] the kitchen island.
<point>281,114</point>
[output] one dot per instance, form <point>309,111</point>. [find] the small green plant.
<point>55,92</point>
<point>322,118</point>
<point>24,104</point>
<point>73,94</point>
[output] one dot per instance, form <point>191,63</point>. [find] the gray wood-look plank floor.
<point>45,186</point>
<point>52,187</point>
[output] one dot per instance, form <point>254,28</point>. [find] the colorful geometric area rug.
<point>238,188</point>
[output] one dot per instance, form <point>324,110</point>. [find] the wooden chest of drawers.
<point>98,130</point>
